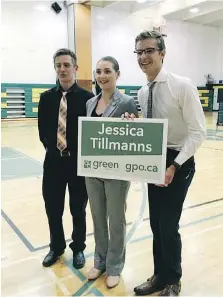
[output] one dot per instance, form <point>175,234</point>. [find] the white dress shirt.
<point>175,98</point>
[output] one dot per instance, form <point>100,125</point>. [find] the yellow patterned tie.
<point>62,124</point>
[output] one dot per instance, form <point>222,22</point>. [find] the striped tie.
<point>150,101</point>
<point>62,124</point>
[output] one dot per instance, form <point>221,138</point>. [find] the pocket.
<point>188,176</point>
<point>190,173</point>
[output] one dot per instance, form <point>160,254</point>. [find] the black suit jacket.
<point>48,111</point>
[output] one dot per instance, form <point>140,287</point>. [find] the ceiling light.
<point>42,8</point>
<point>194,10</point>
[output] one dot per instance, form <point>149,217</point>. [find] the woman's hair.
<point>113,61</point>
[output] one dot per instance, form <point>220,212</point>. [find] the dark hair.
<point>67,52</point>
<point>112,60</point>
<point>154,35</point>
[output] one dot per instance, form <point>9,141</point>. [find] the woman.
<point>107,197</point>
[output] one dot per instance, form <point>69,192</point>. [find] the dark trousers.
<point>165,206</point>
<point>58,173</point>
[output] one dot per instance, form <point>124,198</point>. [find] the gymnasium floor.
<point>25,230</point>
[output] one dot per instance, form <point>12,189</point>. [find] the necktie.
<point>62,124</point>
<point>150,101</point>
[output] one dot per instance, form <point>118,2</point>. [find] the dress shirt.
<point>48,112</point>
<point>175,98</point>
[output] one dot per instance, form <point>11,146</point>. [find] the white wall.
<point>220,55</point>
<point>31,33</point>
<point>113,34</point>
<point>192,50</point>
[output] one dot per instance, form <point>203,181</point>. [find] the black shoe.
<point>51,258</point>
<point>79,260</point>
<point>171,290</point>
<point>152,285</point>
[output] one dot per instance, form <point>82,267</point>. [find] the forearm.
<point>192,143</point>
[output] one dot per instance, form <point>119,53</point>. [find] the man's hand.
<point>128,116</point>
<point>170,171</point>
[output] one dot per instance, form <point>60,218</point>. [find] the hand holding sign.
<point>128,116</point>
<point>170,171</point>
<point>169,175</point>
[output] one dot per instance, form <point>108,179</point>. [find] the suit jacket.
<point>118,105</point>
<point>48,112</point>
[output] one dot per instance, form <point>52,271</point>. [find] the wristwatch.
<point>176,165</point>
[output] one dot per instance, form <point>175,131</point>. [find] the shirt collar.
<point>72,88</point>
<point>161,76</point>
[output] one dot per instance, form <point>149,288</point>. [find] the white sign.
<point>113,148</point>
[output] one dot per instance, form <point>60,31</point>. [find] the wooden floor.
<point>25,233</point>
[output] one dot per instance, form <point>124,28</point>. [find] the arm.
<point>132,108</point>
<point>87,107</point>
<point>194,117</point>
<point>41,120</point>
<point>132,114</point>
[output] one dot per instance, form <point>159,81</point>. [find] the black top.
<point>48,112</point>
<point>94,113</point>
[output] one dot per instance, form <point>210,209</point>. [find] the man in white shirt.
<point>172,97</point>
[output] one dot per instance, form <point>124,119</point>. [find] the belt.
<point>64,153</point>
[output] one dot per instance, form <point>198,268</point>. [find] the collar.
<point>161,76</point>
<point>116,95</point>
<point>71,89</point>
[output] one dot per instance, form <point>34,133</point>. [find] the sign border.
<point>141,120</point>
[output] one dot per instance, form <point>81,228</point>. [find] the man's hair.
<point>113,61</point>
<point>67,52</point>
<point>154,35</point>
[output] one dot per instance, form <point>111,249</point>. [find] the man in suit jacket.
<point>59,109</point>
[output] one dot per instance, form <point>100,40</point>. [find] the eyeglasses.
<point>147,51</point>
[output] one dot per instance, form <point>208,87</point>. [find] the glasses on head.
<point>147,51</point>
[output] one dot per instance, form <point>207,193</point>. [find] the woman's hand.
<point>127,116</point>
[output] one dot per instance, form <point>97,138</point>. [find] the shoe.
<point>152,285</point>
<point>171,290</point>
<point>51,258</point>
<point>78,260</point>
<point>112,281</point>
<point>94,273</point>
